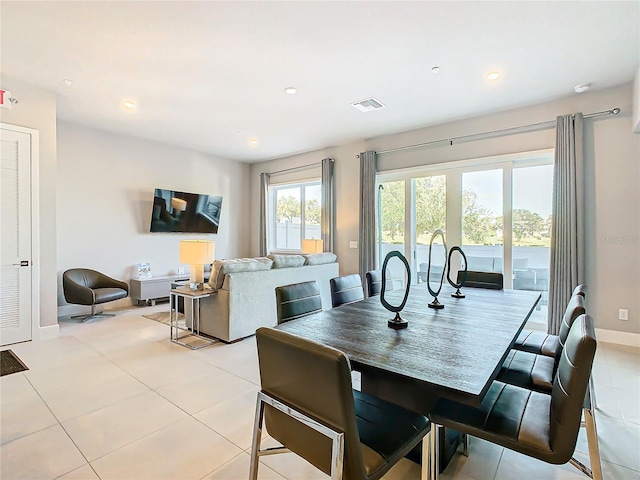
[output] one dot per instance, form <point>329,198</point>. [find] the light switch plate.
<point>353,244</point>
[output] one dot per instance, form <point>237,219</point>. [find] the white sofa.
<point>246,300</point>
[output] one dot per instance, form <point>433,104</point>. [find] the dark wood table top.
<point>456,351</point>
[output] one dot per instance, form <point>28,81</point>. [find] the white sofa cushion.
<point>320,258</point>
<point>287,261</point>
<point>234,265</point>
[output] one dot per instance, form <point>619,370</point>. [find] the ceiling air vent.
<point>368,104</point>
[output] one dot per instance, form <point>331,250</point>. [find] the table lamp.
<point>178,205</point>
<point>312,245</point>
<point>196,253</point>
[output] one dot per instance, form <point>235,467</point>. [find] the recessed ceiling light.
<point>253,142</point>
<point>129,104</point>
<point>583,87</point>
<point>435,69</point>
<point>68,82</point>
<point>290,90</point>
<point>493,76</point>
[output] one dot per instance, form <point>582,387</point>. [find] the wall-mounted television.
<point>183,212</point>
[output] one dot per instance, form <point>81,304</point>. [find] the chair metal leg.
<point>434,455</point>
<point>592,441</point>
<point>337,438</point>
<point>255,439</point>
<point>426,461</point>
<point>592,394</point>
<point>93,314</point>
<point>465,444</point>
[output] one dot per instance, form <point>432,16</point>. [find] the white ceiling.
<point>210,75</point>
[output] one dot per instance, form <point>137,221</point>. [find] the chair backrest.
<point>374,282</point>
<point>315,380</point>
<point>297,300</point>
<point>475,279</point>
<point>580,290</point>
<point>570,386</point>
<point>574,309</point>
<point>346,289</point>
<point>82,276</point>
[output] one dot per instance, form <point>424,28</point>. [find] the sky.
<point>532,187</point>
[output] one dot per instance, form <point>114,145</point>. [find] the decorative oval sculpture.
<point>396,322</point>
<point>457,286</point>
<point>435,303</point>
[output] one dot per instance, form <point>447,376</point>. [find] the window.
<point>497,209</point>
<point>295,214</point>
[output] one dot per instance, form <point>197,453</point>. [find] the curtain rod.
<point>295,169</point>
<point>533,127</point>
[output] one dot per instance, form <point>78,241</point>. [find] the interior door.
<point>15,235</point>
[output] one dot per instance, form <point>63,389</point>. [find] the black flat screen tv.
<point>182,212</point>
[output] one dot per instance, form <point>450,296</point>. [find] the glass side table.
<point>192,339</point>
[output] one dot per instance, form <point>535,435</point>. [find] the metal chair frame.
<point>337,438</point>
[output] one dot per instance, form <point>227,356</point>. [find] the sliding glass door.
<point>482,207</point>
<point>498,210</point>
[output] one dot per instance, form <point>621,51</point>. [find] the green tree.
<point>288,208</point>
<point>527,223</point>
<point>392,206</point>
<point>477,221</point>
<point>312,212</point>
<point>431,205</point>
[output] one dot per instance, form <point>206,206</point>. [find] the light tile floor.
<point>115,399</point>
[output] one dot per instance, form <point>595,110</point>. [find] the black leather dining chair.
<point>346,289</point>
<point>543,343</point>
<point>539,425</point>
<point>536,371</point>
<point>83,286</point>
<point>494,281</point>
<point>374,282</point>
<point>310,407</point>
<point>297,300</point>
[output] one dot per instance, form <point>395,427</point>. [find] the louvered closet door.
<point>15,235</point>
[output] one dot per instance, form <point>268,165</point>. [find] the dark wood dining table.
<point>454,353</point>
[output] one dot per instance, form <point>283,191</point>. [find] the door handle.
<point>23,263</point>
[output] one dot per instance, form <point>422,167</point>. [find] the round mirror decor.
<point>396,322</point>
<point>462,279</point>
<point>435,303</point>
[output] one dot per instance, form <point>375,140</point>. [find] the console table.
<point>152,289</point>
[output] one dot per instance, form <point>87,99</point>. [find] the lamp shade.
<point>196,252</point>
<point>312,245</point>
<point>178,204</point>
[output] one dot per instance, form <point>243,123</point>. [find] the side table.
<point>193,340</point>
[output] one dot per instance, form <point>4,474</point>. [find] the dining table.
<point>455,352</point>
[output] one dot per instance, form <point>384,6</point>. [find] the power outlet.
<point>623,314</point>
<point>353,244</point>
<point>180,270</point>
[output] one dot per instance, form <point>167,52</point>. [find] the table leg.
<point>415,397</point>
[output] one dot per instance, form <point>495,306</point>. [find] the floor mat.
<point>10,363</point>
<point>163,317</point>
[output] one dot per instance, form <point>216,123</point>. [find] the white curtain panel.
<point>328,205</point>
<point>367,212</point>
<point>567,227</point>
<point>264,191</point>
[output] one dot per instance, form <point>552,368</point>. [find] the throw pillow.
<point>222,267</point>
<point>320,258</point>
<point>287,261</point>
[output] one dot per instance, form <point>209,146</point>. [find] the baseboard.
<point>615,336</point>
<point>50,331</point>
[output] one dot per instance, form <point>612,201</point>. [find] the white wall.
<point>105,194</point>
<point>612,154</point>
<point>37,109</point>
